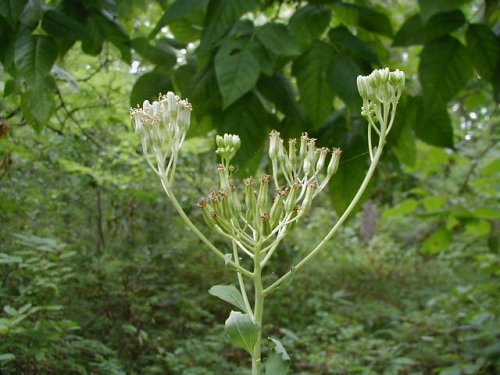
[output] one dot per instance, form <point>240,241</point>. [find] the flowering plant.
<point>254,223</point>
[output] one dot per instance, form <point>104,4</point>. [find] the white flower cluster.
<point>162,126</point>
<point>261,219</point>
<point>380,91</point>
<point>382,86</point>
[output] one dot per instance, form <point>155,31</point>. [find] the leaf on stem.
<point>278,362</point>
<point>242,330</point>
<point>230,294</point>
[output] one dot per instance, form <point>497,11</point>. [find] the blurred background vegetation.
<point>99,276</point>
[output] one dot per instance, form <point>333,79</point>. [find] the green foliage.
<point>225,54</point>
<point>230,294</point>
<point>242,330</point>
<point>130,297</point>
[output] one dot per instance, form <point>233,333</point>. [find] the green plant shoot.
<point>254,222</point>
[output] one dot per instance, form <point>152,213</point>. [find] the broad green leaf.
<point>102,26</point>
<point>177,11</point>
<point>185,31</point>
<point>200,87</point>
<point>11,10</point>
<point>149,86</point>
<point>60,25</point>
<point>444,70</point>
<point>10,259</point>
<point>484,49</point>
<point>434,203</point>
<point>92,43</point>
<point>111,29</point>
<point>267,58</point>
<point>405,148</point>
<point>430,7</point>
<point>37,104</point>
<point>279,90</point>
<point>365,17</point>
<point>32,12</point>
<point>10,310</point>
<point>248,118</point>
<point>242,331</point>
<point>414,31</point>
<point>352,168</point>
<point>160,54</point>
<point>230,294</point>
<point>221,16</point>
<point>236,68</point>
<point>403,208</point>
<point>435,127</point>
<point>489,213</point>
<point>312,70</point>
<point>437,241</point>
<point>278,362</point>
<point>6,357</point>
<point>34,57</point>
<point>129,328</point>
<point>277,38</point>
<point>349,44</point>
<point>343,74</point>
<point>477,228</point>
<point>308,23</point>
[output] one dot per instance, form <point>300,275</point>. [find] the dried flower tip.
<point>248,181</point>
<point>213,196</point>
<point>282,190</point>
<point>312,183</point>
<point>274,143</point>
<point>265,179</point>
<point>223,194</point>
<point>322,152</point>
<point>334,162</point>
<point>264,217</point>
<point>202,203</point>
<point>213,215</point>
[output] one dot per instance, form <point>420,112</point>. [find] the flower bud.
<point>263,196</point>
<point>203,205</point>
<point>334,162</point>
<point>250,200</point>
<point>292,153</point>
<point>274,139</point>
<point>322,152</point>
<point>308,198</point>
<point>303,146</point>
<point>291,199</point>
<point>277,208</point>
<point>310,159</point>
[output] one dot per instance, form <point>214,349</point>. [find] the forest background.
<point>99,276</point>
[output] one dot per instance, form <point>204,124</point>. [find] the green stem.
<point>200,235</point>
<point>338,224</point>
<point>242,282</point>
<point>258,310</point>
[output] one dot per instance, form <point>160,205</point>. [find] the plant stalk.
<point>258,310</point>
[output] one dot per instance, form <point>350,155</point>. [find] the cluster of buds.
<point>305,172</point>
<point>227,146</point>
<point>381,86</point>
<point>304,163</point>
<point>380,91</point>
<point>162,126</point>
